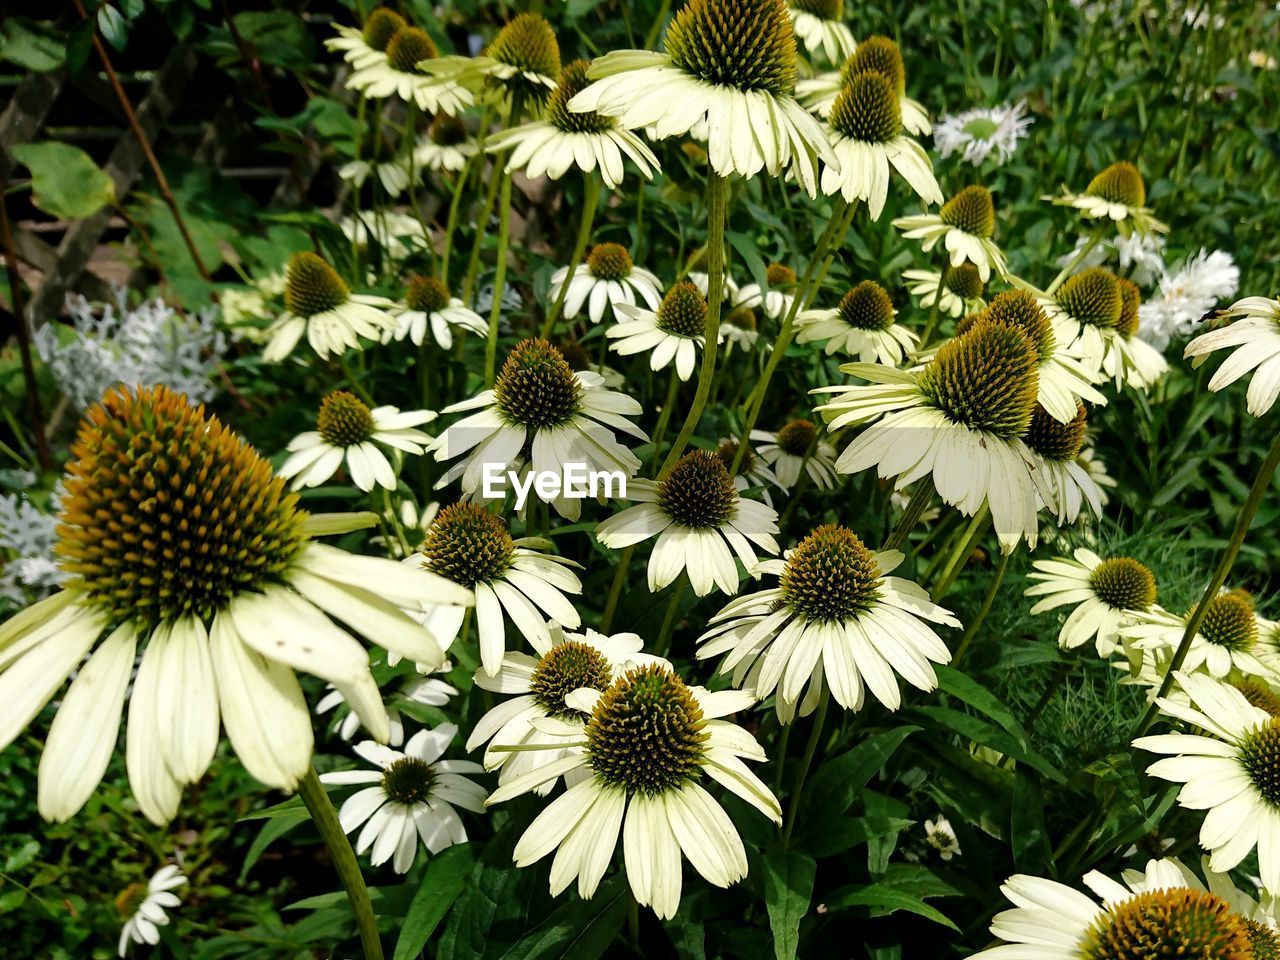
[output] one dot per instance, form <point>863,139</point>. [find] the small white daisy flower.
<point>1107,595</point>
<point>675,332</point>
<point>398,74</point>
<point>785,452</point>
<point>319,303</point>
<point>1129,360</point>
<point>347,430</point>
<point>821,28</point>
<point>739,328</point>
<point>753,473</point>
<point>1227,640</point>
<point>428,305</point>
<point>144,907</point>
<point>377,158</point>
<point>775,297</point>
<point>939,835</point>
<point>982,132</point>
<point>965,224</point>
<point>523,61</point>
<point>956,290</point>
<point>1095,317</point>
<point>862,326</point>
<point>409,799</point>
<point>648,787</point>
<point>607,277</point>
<point>836,619</point>
<point>446,146</point>
<point>367,46</point>
<point>700,523</point>
<point>1058,445</point>
<point>429,691</point>
<point>1118,194</point>
<point>1258,337</point>
<point>728,286</point>
<point>878,53</point>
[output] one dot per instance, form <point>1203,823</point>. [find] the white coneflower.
<point>1107,594</point>
<point>982,132</point>
<point>1186,296</point>
<point>377,158</point>
<point>318,303</point>
<point>700,523</point>
<point>608,276</point>
<point>1059,445</point>
<point>409,799</point>
<point>367,46</point>
<point>862,326</point>
<point>821,28</point>
<point>787,449</point>
<point>775,297</point>
<point>510,579</point>
<point>399,234</point>
<point>877,53</point>
<point>222,610</point>
<point>958,419</point>
<point>640,764</point>
<point>867,138</point>
<point>447,146</point>
<point>1086,311</point>
<point>1140,256</point>
<point>1129,360</point>
<point>956,290</point>
<point>542,684</point>
<point>398,74</point>
<point>965,224</point>
<point>1163,911</point>
<point>728,64</point>
<point>143,906</point>
<point>428,691</point>
<point>1258,337</point>
<point>347,430</point>
<point>728,286</point>
<point>562,139</point>
<point>428,304</point>
<point>939,835</point>
<point>753,472</point>
<point>576,356</point>
<point>523,61</point>
<point>835,618</point>
<point>1119,194</point>
<point>1096,468</point>
<point>1227,640</point>
<point>739,328</point>
<point>673,333</point>
<point>1230,768</point>
<point>541,415</point>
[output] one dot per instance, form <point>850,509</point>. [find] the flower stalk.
<point>590,200</point>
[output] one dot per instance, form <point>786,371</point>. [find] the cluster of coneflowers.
<point>186,552</point>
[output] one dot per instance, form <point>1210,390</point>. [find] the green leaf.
<point>442,882</point>
<point>977,729</point>
<point>961,685</point>
<point>581,930</point>
<point>1027,830</point>
<point>278,37</point>
<point>883,900</point>
<point>112,26</point>
<point>788,889</point>
<point>32,44</point>
<point>275,828</point>
<point>839,781</point>
<point>22,856</point>
<point>746,247</point>
<point>65,182</point>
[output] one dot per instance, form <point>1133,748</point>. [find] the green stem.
<point>963,547</point>
<point>664,416</point>
<point>344,861</point>
<point>717,204</point>
<point>931,324</point>
<point>663,643</point>
<point>482,223</point>
<point>972,629</point>
<point>590,198</point>
<point>353,382</point>
<point>615,590</point>
<point>455,204</point>
<point>1075,261</point>
<point>810,748</point>
<point>921,497</point>
<point>651,37</point>
<point>1261,484</point>
<point>499,282</point>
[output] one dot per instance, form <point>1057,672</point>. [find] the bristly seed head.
<point>727,450</point>
<point>746,44</point>
<point>529,44</point>
<point>1123,583</point>
<point>447,131</point>
<point>796,437</point>
<point>1056,441</point>
<point>408,48</point>
<point>1092,296</point>
<point>779,275</point>
<point>1130,301</point>
<point>609,261</point>
<point>468,544</point>
<point>647,733</point>
<point>312,286</point>
<point>1260,754</point>
<point>536,387</point>
<point>1229,622</point>
<point>867,109</point>
<point>168,513</point>
<point>986,379</point>
<point>698,492</point>
<point>381,26</point>
<point>964,281</point>
<point>1119,183</point>
<point>1178,922</point>
<point>567,667</point>
<point>826,9</point>
<point>573,80</point>
<point>426,294</point>
<point>830,576</point>
<point>344,420</point>
<point>1264,942</point>
<point>744,318</point>
<point>683,311</point>
<point>1020,310</point>
<point>408,781</point>
<point>972,211</point>
<point>130,899</point>
<point>867,306</point>
<point>1258,694</point>
<point>881,55</point>
<point>575,355</point>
